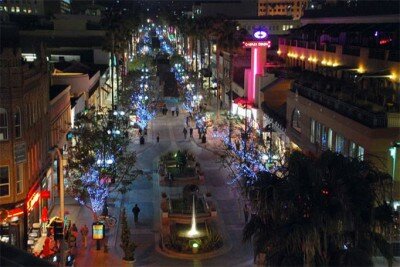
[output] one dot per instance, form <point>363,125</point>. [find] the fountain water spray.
<point>193,230</point>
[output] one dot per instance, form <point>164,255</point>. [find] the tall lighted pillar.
<point>258,45</point>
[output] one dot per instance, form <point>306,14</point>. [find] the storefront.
<point>275,139</point>
<point>12,225</point>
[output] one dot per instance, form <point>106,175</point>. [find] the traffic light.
<point>58,230</point>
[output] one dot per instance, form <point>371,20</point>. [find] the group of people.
<point>185,131</point>
<point>174,110</point>
<point>72,233</point>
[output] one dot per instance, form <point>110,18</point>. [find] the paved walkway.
<point>146,192</point>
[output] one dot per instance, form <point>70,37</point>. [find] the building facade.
<point>37,7</point>
<point>346,94</point>
<point>24,140</point>
<point>293,8</point>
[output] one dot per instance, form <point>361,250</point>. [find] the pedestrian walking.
<point>158,138</point>
<point>84,233</point>
<point>191,132</point>
<point>246,213</point>
<point>173,111</point>
<point>73,235</point>
<point>177,111</point>
<point>187,121</point>
<point>184,132</point>
<point>199,132</point>
<point>136,211</point>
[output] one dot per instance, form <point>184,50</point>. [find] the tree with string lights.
<point>99,161</point>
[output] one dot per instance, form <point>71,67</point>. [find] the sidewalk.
<point>213,144</point>
<point>81,215</point>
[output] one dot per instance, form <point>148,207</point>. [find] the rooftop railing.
<point>367,118</point>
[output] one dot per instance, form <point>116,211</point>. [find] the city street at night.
<point>199,133</point>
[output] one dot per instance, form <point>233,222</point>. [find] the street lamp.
<point>57,151</point>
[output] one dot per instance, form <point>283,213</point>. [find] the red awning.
<point>244,102</point>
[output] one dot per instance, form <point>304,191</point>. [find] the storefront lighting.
<point>279,52</point>
<point>361,69</point>
<point>302,57</point>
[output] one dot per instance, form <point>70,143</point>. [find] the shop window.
<point>340,142</point>
<point>3,124</point>
<point>296,120</point>
<point>330,135</point>
<point>20,178</point>
<point>12,9</point>
<point>312,131</point>
<point>17,9</point>
<point>4,182</point>
<point>17,123</point>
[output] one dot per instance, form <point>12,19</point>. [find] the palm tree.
<point>324,209</point>
<point>120,26</point>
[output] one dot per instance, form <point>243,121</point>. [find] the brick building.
<point>24,140</point>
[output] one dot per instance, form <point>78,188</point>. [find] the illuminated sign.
<point>32,201</point>
<point>98,231</point>
<point>260,34</point>
<point>45,194</point>
<point>257,44</point>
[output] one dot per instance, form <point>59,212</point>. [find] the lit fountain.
<point>193,230</point>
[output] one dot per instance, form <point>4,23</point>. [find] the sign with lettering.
<point>20,152</point>
<point>249,44</point>
<point>98,231</point>
<point>32,201</point>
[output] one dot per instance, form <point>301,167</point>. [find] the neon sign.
<point>32,201</point>
<point>257,44</point>
<point>260,34</point>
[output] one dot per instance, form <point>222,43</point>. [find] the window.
<point>353,150</point>
<point>296,120</point>
<point>12,9</point>
<point>340,143</point>
<point>361,153</point>
<point>3,124</point>
<point>17,123</point>
<point>318,132</point>
<point>312,131</point>
<point>20,178</point>
<point>324,138</point>
<point>17,9</point>
<point>330,133</point>
<point>4,182</point>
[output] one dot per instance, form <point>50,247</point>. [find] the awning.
<point>234,95</point>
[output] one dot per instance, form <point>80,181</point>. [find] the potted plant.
<point>127,244</point>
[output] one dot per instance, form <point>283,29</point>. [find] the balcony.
<point>365,117</point>
<point>394,55</point>
<point>331,48</point>
<point>351,50</point>
<point>376,54</point>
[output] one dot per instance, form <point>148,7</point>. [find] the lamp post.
<point>62,205</point>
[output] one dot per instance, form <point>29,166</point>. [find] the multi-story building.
<point>60,125</point>
<point>227,8</point>
<point>24,140</point>
<point>37,7</point>
<point>346,91</point>
<point>293,8</point>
